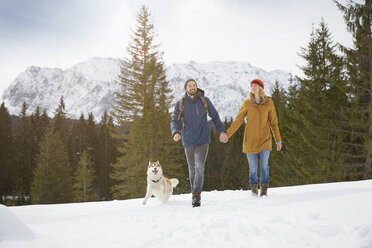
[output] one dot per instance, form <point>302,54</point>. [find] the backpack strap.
<point>205,104</point>
<point>181,107</point>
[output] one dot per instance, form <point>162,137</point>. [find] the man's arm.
<point>215,116</point>
<point>175,123</point>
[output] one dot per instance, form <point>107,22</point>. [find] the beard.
<point>191,92</point>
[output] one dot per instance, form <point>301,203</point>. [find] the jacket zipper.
<point>259,128</point>
<point>197,110</point>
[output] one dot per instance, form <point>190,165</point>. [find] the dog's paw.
<point>144,203</point>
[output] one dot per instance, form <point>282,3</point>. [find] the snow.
<point>320,215</point>
<point>12,227</point>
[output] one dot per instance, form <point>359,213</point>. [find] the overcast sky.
<point>61,33</point>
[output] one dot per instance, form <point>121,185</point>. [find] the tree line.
<point>45,160</point>
<point>324,118</point>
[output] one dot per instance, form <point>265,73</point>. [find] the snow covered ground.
<point>321,215</point>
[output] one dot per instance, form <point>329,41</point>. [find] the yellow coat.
<point>259,120</point>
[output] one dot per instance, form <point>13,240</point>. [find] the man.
<point>193,109</point>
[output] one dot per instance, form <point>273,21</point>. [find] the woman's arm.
<point>273,120</point>
<point>239,119</point>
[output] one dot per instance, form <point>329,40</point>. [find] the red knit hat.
<point>258,81</point>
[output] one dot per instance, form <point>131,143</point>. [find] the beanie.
<point>258,81</point>
<point>190,80</point>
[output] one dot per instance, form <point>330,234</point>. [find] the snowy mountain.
<point>90,85</point>
<point>321,215</point>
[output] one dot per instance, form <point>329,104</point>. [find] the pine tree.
<point>24,157</point>
<point>61,129</point>
<point>281,172</point>
<point>142,105</point>
<point>235,171</point>
<point>6,154</point>
<point>358,18</point>
<point>78,141</point>
<point>83,180</point>
<point>170,153</point>
<point>93,150</point>
<point>294,173</point>
<point>45,120</point>
<point>316,107</point>
<point>52,177</point>
<point>213,164</point>
<point>107,154</point>
<point>60,121</point>
<point>43,125</point>
<point>39,123</point>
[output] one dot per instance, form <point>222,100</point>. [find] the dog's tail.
<point>174,182</point>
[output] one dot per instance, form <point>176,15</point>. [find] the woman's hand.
<point>278,147</point>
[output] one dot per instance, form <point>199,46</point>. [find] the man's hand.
<point>278,147</point>
<point>176,137</point>
<point>223,137</point>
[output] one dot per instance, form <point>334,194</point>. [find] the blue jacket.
<point>195,129</point>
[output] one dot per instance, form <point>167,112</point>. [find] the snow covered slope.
<point>322,215</point>
<point>90,85</point>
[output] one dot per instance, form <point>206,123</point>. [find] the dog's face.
<point>154,169</point>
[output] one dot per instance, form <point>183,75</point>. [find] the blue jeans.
<point>264,167</point>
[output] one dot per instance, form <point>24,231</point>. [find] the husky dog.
<point>158,185</point>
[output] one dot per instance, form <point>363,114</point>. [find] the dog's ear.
<point>158,162</point>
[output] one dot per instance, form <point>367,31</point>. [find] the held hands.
<point>223,137</point>
<point>176,137</point>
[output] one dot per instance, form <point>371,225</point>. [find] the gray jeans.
<point>196,157</point>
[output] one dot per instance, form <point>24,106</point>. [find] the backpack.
<point>181,106</point>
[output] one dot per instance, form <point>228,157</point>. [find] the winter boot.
<point>196,199</point>
<point>254,189</point>
<point>263,189</point>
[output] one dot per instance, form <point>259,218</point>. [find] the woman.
<point>260,115</point>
